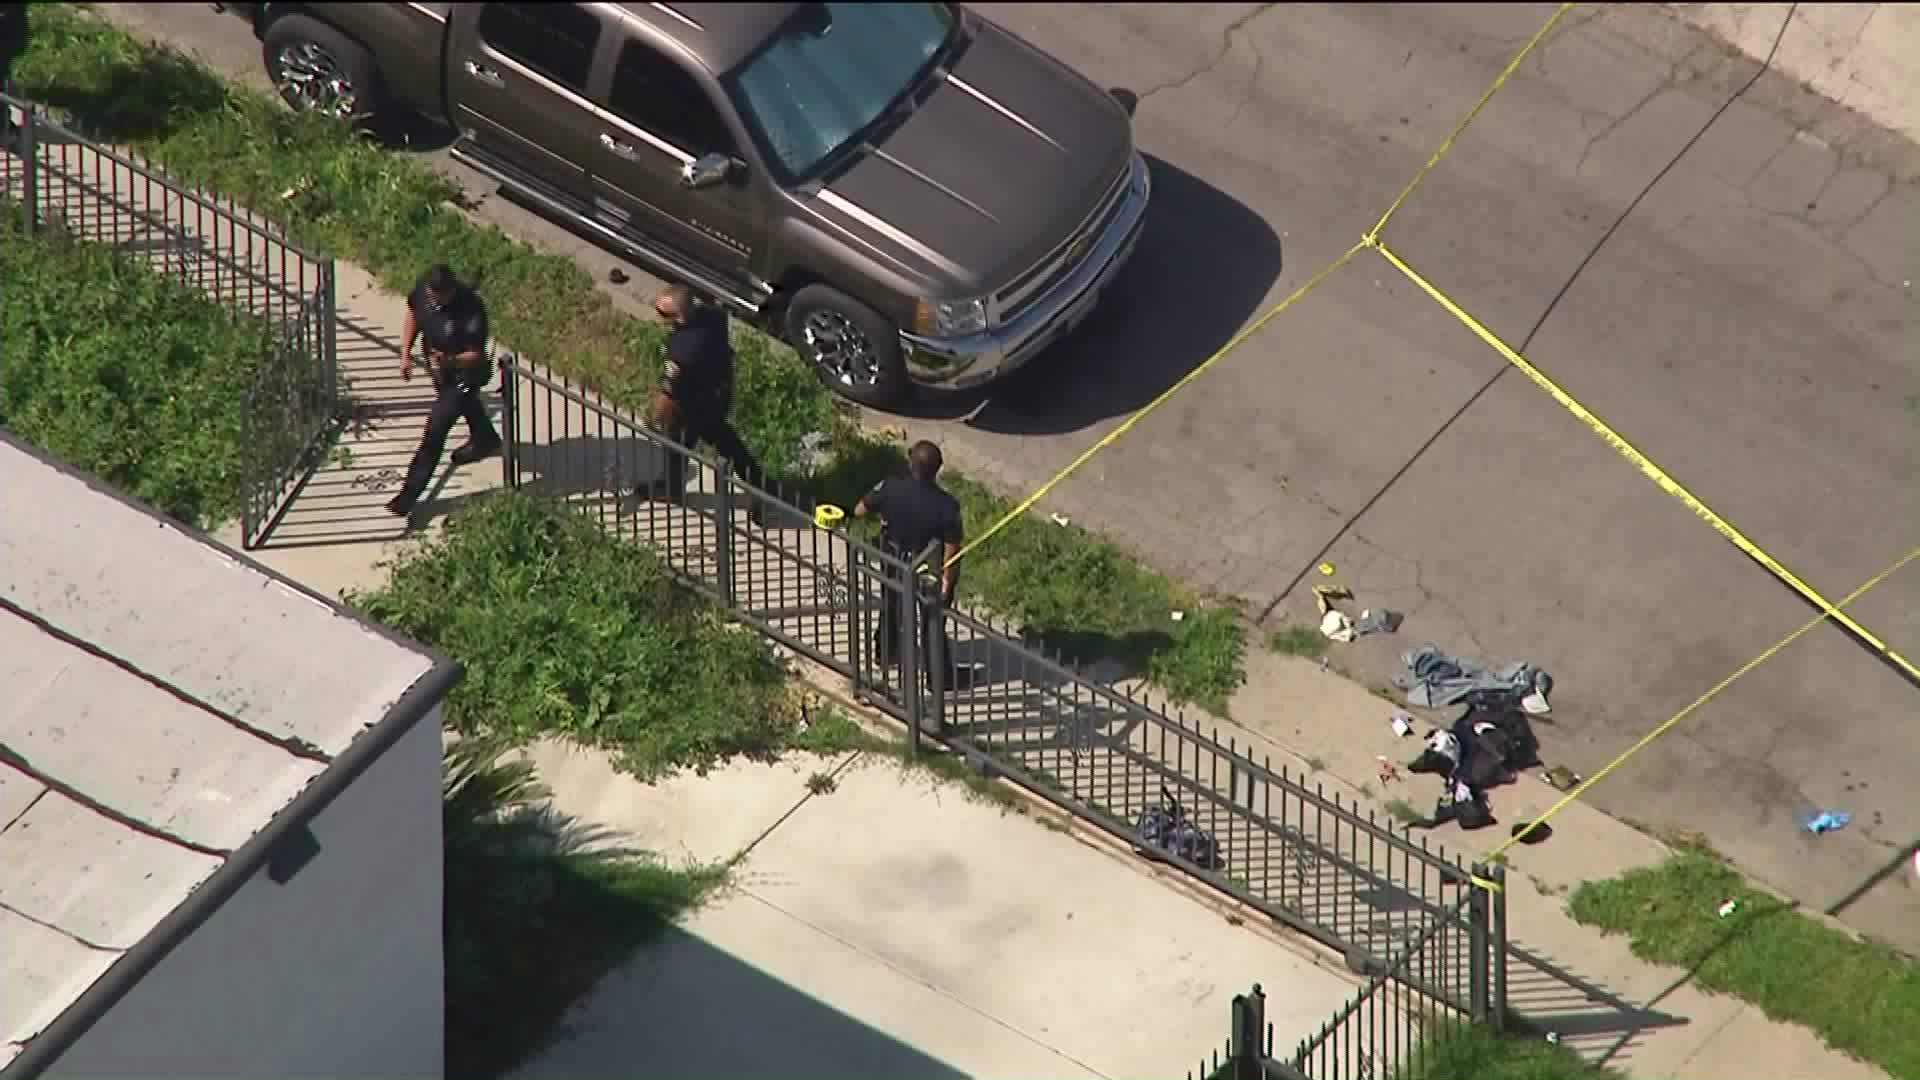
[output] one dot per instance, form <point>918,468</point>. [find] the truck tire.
<point>318,69</point>
<point>855,349</point>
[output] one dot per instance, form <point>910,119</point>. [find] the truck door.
<point>659,117</point>
<point>517,81</point>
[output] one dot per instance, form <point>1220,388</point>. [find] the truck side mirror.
<point>708,170</point>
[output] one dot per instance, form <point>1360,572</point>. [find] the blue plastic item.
<point>1829,821</point>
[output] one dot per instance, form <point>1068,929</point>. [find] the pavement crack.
<point>1226,47</point>
<point>1253,84</point>
<point>1835,237</point>
<point>1606,131</point>
<point>925,982</point>
<point>1427,596</point>
<point>1770,159</point>
<point>92,946</point>
<point>27,809</point>
<point>835,773</point>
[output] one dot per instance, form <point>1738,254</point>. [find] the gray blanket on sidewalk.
<point>1435,680</point>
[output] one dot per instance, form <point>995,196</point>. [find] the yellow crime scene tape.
<point>1253,328</point>
<point>1140,414</point>
<point>1645,464</point>
<point>1373,234</point>
<point>1371,239</point>
<point>1647,739</point>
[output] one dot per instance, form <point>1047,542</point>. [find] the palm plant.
<point>509,857</point>
<point>494,805</point>
<point>538,906</point>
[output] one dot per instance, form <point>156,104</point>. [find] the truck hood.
<point>1007,155</point>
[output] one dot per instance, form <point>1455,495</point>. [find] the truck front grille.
<point>1061,261</point>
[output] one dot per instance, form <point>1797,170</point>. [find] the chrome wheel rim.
<point>841,348</point>
<point>311,80</point>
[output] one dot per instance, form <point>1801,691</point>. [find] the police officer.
<point>696,392</point>
<point>914,511</point>
<point>450,318</point>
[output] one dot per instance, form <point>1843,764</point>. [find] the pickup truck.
<point>907,193</point>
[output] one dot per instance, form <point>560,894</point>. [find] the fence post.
<point>30,166</point>
<point>1249,1028</point>
<point>1499,946</point>
<point>934,622</point>
<point>329,334</point>
<point>908,582</point>
<point>250,485</point>
<point>1479,944</point>
<point>723,532</point>
<point>509,427</point>
<point>858,618</point>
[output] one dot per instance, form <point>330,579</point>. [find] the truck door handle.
<point>486,75</point>
<point>617,148</point>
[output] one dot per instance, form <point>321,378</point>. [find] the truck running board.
<point>560,208</point>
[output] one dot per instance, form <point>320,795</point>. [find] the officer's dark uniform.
<point>913,514</point>
<point>458,326</point>
<point>699,379</point>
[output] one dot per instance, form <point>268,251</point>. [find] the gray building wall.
<point>335,974</point>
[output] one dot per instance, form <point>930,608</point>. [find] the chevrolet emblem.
<point>1079,250</point>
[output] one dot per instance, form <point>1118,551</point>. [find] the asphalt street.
<point>1749,325</point>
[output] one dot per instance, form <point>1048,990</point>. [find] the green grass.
<point>1475,1053</point>
<point>1306,642</point>
<point>119,370</point>
<point>1861,997</point>
<point>390,213</point>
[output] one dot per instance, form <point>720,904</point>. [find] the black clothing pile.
<point>1165,830</point>
<point>1484,748</point>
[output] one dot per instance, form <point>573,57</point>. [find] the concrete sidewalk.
<point>1865,57</point>
<point>978,943</point>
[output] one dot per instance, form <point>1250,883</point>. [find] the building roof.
<point>171,709</point>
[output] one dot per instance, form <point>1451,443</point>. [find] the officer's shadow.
<point>594,469</point>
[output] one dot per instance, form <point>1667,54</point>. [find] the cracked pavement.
<point>1750,327</point>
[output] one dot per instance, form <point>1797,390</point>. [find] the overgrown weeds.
<point>119,370</point>
<point>567,631</point>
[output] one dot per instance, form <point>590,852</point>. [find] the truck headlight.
<point>950,318</point>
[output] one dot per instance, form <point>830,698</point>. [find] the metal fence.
<point>1287,848</point>
<point>73,186</point>
<point>1391,1029</point>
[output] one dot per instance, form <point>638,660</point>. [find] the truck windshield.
<point>828,73</point>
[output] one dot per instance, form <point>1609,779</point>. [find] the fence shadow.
<point>1544,997</point>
